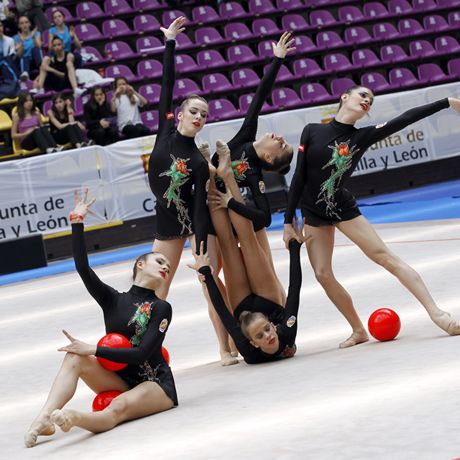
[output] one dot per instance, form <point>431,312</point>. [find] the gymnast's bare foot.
<point>233,350</point>
<point>446,323</point>
<point>355,339</point>
<point>225,162</point>
<point>205,151</point>
<point>226,359</point>
<point>41,426</point>
<point>63,418</point>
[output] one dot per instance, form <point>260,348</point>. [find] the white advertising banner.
<point>36,194</point>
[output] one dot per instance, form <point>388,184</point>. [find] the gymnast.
<point>327,156</point>
<point>147,383</point>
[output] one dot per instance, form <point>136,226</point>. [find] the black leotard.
<point>177,171</point>
<point>137,314</point>
<point>328,155</point>
<point>285,319</point>
<point>246,165</point>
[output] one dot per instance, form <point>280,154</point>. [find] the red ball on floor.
<point>103,399</point>
<point>384,324</point>
<point>113,340</point>
<point>165,354</point>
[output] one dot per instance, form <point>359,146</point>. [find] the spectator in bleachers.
<point>7,18</point>
<point>64,128</point>
<point>28,48</point>
<point>100,119</point>
<point>28,129</point>
<point>58,72</point>
<point>67,35</point>
<point>33,9</point>
<point>126,101</point>
<point>7,54</point>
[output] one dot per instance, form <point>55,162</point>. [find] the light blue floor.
<point>432,202</point>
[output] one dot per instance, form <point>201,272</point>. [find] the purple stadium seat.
<point>304,44</point>
<point>79,102</point>
<point>321,18</point>
<point>286,5</point>
<point>67,14</point>
<point>364,57</point>
<point>258,7</point>
<point>215,83</point>
<point>448,3</point>
<point>329,39</point>
<point>421,49</point>
<point>446,45</point>
<point>146,23</point>
<point>150,118</point>
<point>237,31</point>
<point>242,78</point>
<point>306,67</point>
<point>434,23</point>
<point>424,5</point>
<point>392,53</point>
<point>89,10</point>
<point>262,27</point>
<point>375,82</point>
<point>336,62</point>
<point>294,22</point>
<point>151,92</point>
<point>355,35</point>
<point>183,41</point>
<point>92,53</point>
<point>149,68</point>
<point>453,68</point>
<point>374,10</point>
<point>454,20</point>
<point>146,45</point>
<point>399,7</point>
<point>117,7</point>
<point>208,59</point>
<point>206,36</point>
<point>221,109</point>
<point>115,28</point>
<point>240,53</point>
<point>231,10</point>
<point>245,100</point>
<point>119,70</point>
<point>204,14</point>
<point>350,14</point>
<point>47,106</point>
<point>410,27</point>
<point>170,15</point>
<point>402,78</point>
<point>88,32</point>
<point>384,31</point>
<point>284,98</point>
<point>313,93</point>
<point>284,74</point>
<point>118,50</point>
<point>340,85</point>
<point>145,5</point>
<point>185,86</point>
<point>185,63</point>
<point>431,73</point>
<point>265,49</point>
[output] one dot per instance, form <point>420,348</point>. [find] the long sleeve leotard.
<point>138,314</point>
<point>246,165</point>
<point>285,318</point>
<point>328,155</point>
<point>177,171</point>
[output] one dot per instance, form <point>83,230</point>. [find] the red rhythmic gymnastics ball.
<point>384,324</point>
<point>165,354</point>
<point>103,399</point>
<point>113,340</point>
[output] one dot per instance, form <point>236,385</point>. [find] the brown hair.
<point>247,318</point>
<point>131,98</point>
<point>281,165</point>
<point>187,100</point>
<point>142,258</point>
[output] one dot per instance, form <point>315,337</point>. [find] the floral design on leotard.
<point>288,351</point>
<point>141,320</point>
<point>239,168</point>
<point>179,174</point>
<point>341,159</point>
<point>148,373</point>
